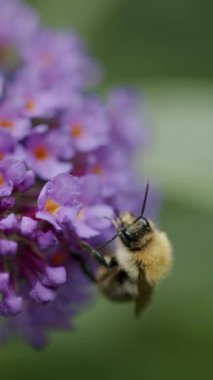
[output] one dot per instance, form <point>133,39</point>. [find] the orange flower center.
<point>1,156</point>
<point>80,214</point>
<point>59,258</point>
<point>6,123</point>
<point>77,131</point>
<point>51,206</point>
<point>97,169</point>
<point>41,153</point>
<point>46,58</point>
<point>2,180</point>
<point>30,105</point>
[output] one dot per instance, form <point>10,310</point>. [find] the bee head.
<point>131,234</point>
<point>133,229</point>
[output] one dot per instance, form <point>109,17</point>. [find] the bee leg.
<point>113,262</point>
<point>86,269</point>
<point>106,262</point>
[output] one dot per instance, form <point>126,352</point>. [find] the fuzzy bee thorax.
<point>155,256</point>
<point>126,260</point>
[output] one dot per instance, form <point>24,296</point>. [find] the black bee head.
<point>132,234</point>
<point>132,230</point>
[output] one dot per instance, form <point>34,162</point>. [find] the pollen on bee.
<point>77,130</point>
<point>51,206</point>
<point>41,153</point>
<point>2,180</point>
<point>1,156</point>
<point>6,123</point>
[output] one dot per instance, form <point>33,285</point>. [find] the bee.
<point>142,256</point>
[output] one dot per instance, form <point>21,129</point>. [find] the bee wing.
<point>144,293</point>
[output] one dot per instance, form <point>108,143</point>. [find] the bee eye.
<point>129,235</point>
<point>145,224</point>
<point>126,234</point>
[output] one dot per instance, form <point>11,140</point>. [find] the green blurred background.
<point>164,47</point>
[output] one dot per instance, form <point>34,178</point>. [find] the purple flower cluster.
<point>65,169</point>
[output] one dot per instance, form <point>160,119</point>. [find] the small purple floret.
<point>11,306</point>
<point>8,248</point>
<point>4,281</point>
<point>54,277</point>
<point>9,224</point>
<point>28,226</point>
<point>41,294</point>
<point>46,239</point>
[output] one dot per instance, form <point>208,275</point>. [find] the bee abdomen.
<point>116,285</point>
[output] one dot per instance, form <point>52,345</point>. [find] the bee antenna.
<point>107,242</point>
<point>144,200</point>
<point>106,217</point>
<point>114,237</point>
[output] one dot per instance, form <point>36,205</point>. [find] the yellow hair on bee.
<point>127,218</point>
<point>156,257</point>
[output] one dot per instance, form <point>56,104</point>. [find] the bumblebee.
<point>142,256</point>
